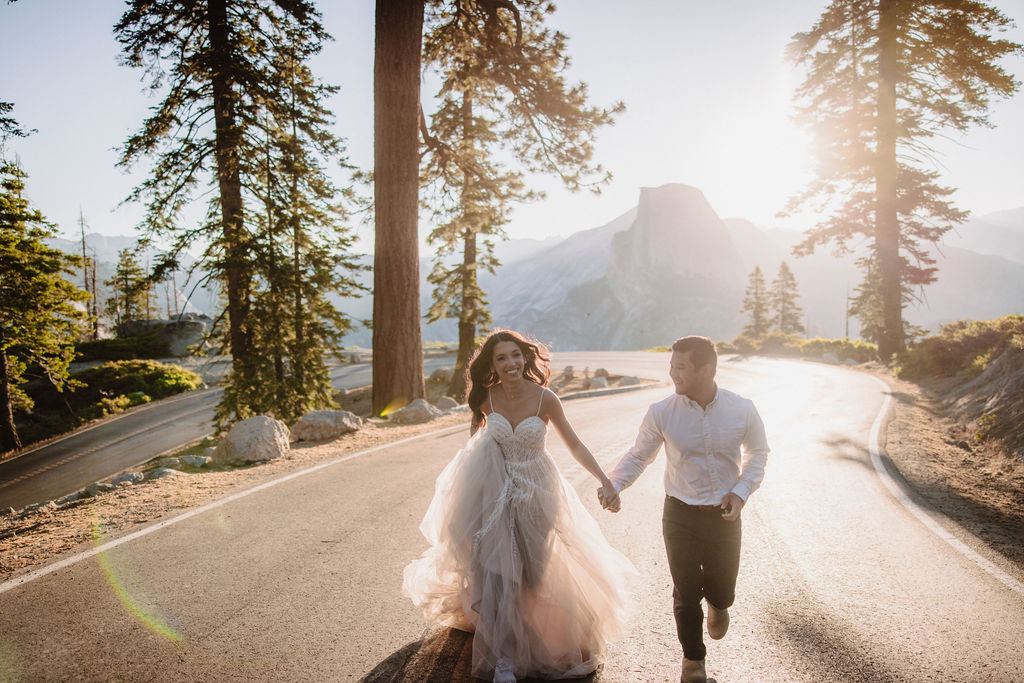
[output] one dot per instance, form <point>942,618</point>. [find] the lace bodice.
<point>521,443</point>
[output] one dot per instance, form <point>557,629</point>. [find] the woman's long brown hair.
<point>480,374</point>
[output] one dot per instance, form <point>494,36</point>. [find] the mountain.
<point>633,283</point>
<point>669,267</point>
<point>996,234</point>
<point>193,295</point>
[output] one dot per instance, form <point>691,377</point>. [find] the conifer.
<point>883,79</point>
<point>504,110</point>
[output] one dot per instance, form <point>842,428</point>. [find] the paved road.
<point>300,581</point>
<point>117,444</point>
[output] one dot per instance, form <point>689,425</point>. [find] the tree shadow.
<point>442,655</point>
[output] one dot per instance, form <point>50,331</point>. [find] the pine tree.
<point>503,96</point>
<point>755,304</point>
<point>301,245</point>
<point>883,79</point>
<point>240,101</point>
<point>39,320</point>
<point>131,289</point>
<point>782,297</point>
<point>397,333</point>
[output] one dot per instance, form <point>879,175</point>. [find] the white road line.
<point>899,494</point>
<point>56,566</point>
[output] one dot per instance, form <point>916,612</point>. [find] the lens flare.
<point>397,404</point>
<point>151,621</point>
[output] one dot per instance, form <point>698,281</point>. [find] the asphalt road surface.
<point>840,581</point>
<point>111,446</point>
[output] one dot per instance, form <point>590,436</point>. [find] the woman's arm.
<point>552,408</point>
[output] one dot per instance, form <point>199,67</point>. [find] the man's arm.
<point>648,440</point>
<point>755,455</point>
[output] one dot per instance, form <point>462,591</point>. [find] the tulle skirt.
<point>516,559</point>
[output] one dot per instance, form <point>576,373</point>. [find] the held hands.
<point>609,497</point>
<point>731,505</point>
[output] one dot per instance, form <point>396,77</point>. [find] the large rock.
<point>447,403</point>
<point>257,439</point>
<point>320,425</point>
<point>415,413</point>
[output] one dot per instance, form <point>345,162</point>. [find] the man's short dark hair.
<point>702,350</point>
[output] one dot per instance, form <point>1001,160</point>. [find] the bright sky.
<point>705,84</point>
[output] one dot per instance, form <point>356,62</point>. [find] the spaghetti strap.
<point>490,400</point>
<point>541,401</point>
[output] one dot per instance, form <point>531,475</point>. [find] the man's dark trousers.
<point>704,559</point>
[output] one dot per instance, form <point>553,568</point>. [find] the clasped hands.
<point>609,497</point>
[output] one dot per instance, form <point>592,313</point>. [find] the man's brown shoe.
<point>693,671</point>
<point>718,622</point>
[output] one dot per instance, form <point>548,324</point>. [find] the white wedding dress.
<point>515,558</point>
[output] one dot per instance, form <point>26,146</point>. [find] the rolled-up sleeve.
<point>648,441</point>
<point>755,455</point>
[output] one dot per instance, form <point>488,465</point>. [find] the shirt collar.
<point>693,404</point>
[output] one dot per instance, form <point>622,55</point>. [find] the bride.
<point>514,557</point>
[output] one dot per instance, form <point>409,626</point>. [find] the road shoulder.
<point>974,486</point>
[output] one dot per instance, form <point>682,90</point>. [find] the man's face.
<point>687,377</point>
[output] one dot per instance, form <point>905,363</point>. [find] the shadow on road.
<point>442,655</point>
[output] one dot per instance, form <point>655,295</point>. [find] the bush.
<point>744,344</point>
<point>778,343</point>
<point>858,350</point>
<point>103,390</point>
<point>150,344</point>
<point>725,347</point>
<point>963,346</point>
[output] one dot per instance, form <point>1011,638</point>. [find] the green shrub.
<point>103,390</point>
<point>725,347</point>
<point>744,344</point>
<point>150,344</point>
<point>778,343</point>
<point>962,346</point>
<point>858,350</point>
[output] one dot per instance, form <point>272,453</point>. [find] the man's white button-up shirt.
<point>711,451</point>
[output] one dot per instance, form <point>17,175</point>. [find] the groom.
<point>708,479</point>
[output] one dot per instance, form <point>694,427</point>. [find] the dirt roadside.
<point>976,485</point>
<point>979,489</point>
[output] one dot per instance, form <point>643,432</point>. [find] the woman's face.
<point>508,361</point>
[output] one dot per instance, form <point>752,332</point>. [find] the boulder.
<point>600,372</point>
<point>447,403</point>
<point>320,425</point>
<point>415,413</point>
<point>630,381</point>
<point>171,462</point>
<point>596,382</point>
<point>256,439</point>
<point>128,478</point>
<point>161,472</point>
<point>68,499</point>
<point>95,489</point>
<point>195,460</point>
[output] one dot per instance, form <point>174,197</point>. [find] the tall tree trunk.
<point>227,141</point>
<point>9,440</point>
<point>468,309</point>
<point>887,227</point>
<point>397,335</point>
<point>300,357</point>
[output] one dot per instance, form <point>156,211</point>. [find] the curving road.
<point>119,443</point>
<point>300,580</point>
